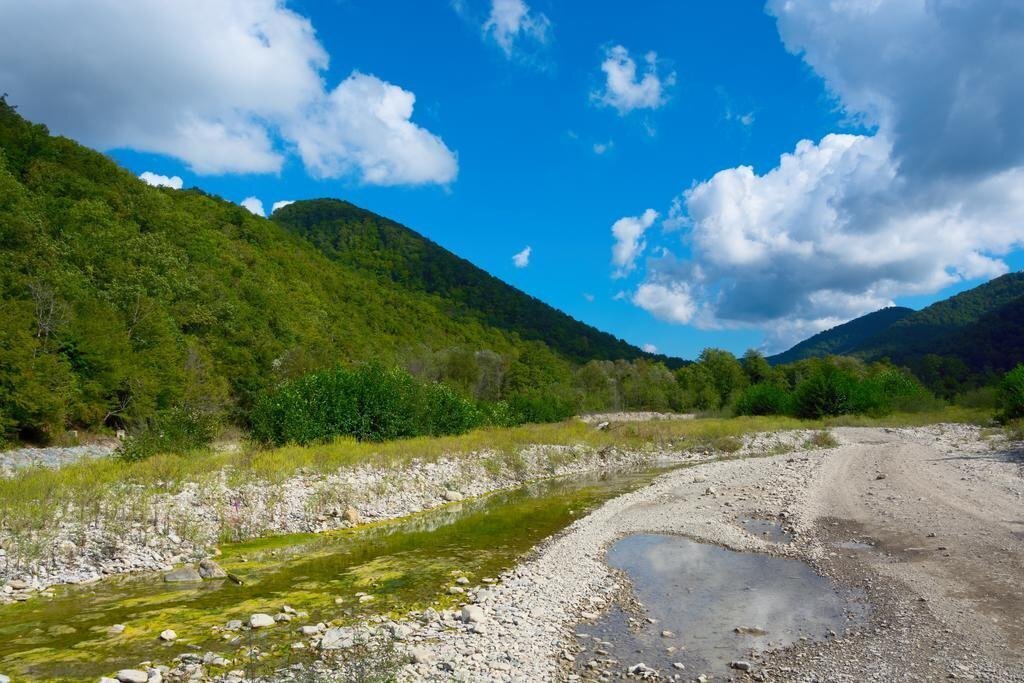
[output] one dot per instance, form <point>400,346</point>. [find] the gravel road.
<point>940,514</point>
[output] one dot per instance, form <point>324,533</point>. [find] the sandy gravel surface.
<point>54,456</point>
<point>944,606</point>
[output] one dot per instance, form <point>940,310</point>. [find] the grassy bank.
<point>32,498</point>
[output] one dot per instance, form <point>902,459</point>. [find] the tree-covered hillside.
<point>952,345</point>
<point>374,244</point>
<point>119,300</point>
<point>922,332</point>
<point>843,339</point>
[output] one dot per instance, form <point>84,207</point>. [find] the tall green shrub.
<point>367,402</point>
<point>1011,392</point>
<point>176,430</point>
<point>763,398</point>
<point>826,391</point>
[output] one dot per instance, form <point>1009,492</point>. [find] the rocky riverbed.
<point>928,621</point>
<point>919,521</point>
<point>129,533</point>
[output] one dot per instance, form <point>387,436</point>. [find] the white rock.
<point>473,614</point>
<point>451,495</point>
<point>336,639</point>
<point>421,655</point>
<point>166,636</point>
<point>132,676</point>
<point>261,620</point>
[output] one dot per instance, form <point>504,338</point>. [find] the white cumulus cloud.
<point>249,88</point>
<point>254,205</point>
<point>281,204</point>
<point>625,89</point>
<point>513,21</point>
<point>650,348</point>
<point>670,302</point>
<point>629,240</point>
<point>157,180</point>
<point>522,259</point>
<point>364,126</point>
<point>846,224</point>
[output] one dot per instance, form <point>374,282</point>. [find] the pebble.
<point>208,569</point>
<point>336,639</point>
<point>183,575</point>
<point>132,676</point>
<point>260,620</point>
<point>167,636</point>
<point>473,614</point>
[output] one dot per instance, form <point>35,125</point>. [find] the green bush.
<point>826,391</point>
<point>1011,392</point>
<point>763,399</point>
<point>888,391</point>
<point>540,406</point>
<point>177,430</point>
<point>367,402</point>
<point>987,397</point>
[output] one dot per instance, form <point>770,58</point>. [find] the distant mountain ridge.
<point>930,328</point>
<point>845,339</point>
<point>373,244</point>
<point>977,332</point>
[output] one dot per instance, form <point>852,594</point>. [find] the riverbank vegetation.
<point>32,500</point>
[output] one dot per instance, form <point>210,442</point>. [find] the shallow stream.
<point>404,564</point>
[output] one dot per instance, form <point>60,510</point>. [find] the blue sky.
<point>543,162</point>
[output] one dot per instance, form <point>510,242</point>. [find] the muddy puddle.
<point>767,529</point>
<point>709,607</point>
<point>404,564</point>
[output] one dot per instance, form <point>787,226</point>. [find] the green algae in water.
<point>405,564</point>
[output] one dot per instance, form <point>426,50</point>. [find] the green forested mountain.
<point>845,339</point>
<point>373,244</point>
<point>950,345</point>
<point>924,331</point>
<point>119,300</point>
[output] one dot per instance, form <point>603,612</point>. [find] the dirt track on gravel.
<point>946,519</point>
<point>937,517</point>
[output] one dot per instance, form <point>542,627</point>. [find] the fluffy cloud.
<point>625,89</point>
<point>602,147</point>
<point>281,204</point>
<point>364,126</point>
<point>629,240</point>
<point>522,259</point>
<point>251,79</point>
<point>255,206</point>
<point>157,180</point>
<point>670,302</point>
<point>941,77</point>
<point>844,225</point>
<point>650,348</point>
<point>512,21</point>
